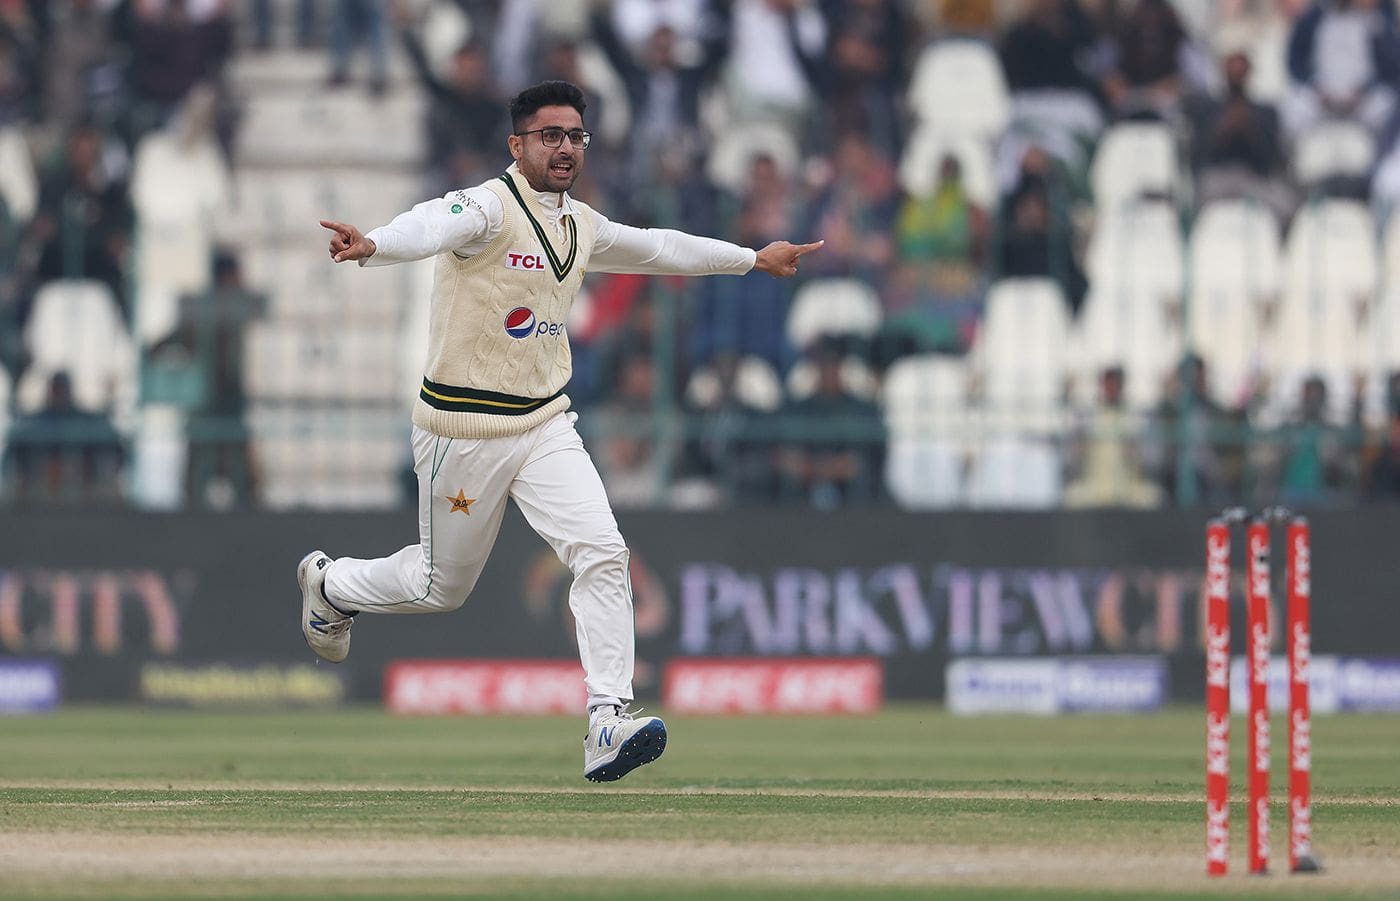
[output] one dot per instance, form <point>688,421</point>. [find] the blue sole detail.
<point>642,748</point>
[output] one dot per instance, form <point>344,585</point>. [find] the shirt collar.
<point>548,200</point>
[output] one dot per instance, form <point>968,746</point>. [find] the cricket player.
<point>492,420</point>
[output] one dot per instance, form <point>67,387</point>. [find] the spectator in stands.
<point>82,228</point>
<point>1045,56</point>
<point>747,315</point>
<point>180,191</point>
<point>727,447</point>
<point>633,324</point>
<point>62,453</point>
<point>1034,231</point>
<point>975,18</point>
<point>692,22</point>
<point>1105,454</point>
<point>637,448</point>
<point>854,210</point>
<point>1152,63</point>
<point>354,23</point>
<point>775,52</point>
<point>833,453</point>
<point>208,344</point>
<point>1317,459</point>
<point>866,68</point>
<point>466,123</point>
<point>1260,24</point>
<point>933,295</point>
<point>560,61</point>
<point>264,22</point>
<point>1195,446</point>
<point>663,92</point>
<point>1381,465</point>
<point>1236,146</point>
<point>945,229</point>
<point>175,45</point>
<point>1344,60</point>
<point>82,78</point>
<point>21,72</point>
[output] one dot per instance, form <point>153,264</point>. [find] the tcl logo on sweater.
<point>531,262</point>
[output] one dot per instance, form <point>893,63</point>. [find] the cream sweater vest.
<point>498,354</point>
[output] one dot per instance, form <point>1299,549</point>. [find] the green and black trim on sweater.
<point>560,268</point>
<point>454,399</point>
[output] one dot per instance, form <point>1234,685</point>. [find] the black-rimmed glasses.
<point>553,136</point>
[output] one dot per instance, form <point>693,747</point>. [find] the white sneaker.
<point>617,744</point>
<point>327,630</point>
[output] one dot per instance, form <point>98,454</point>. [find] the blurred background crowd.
<point>1081,253</point>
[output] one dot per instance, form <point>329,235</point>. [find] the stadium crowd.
<point>949,152</point>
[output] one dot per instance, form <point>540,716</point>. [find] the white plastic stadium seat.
<point>925,473</point>
<point>328,457</point>
<point>271,206</point>
<point>287,362</point>
<point>1014,473</point>
<point>330,128</point>
<point>19,186</point>
<point>958,88</point>
<point>5,398</point>
<point>76,327</point>
<point>926,412</point>
<point>303,286</point>
<point>927,396</point>
<point>856,377</point>
<point>1328,295</point>
<point>413,326</point>
<point>1333,148</point>
<point>1136,273</point>
<point>918,167</point>
<point>1134,158</point>
<point>734,151</point>
<point>832,306</point>
<point>178,192</point>
<point>756,383</point>
<point>159,450</point>
<point>1385,324</point>
<point>1235,270</point>
<point>1021,355</point>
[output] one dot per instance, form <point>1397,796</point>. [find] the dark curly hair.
<point>546,93</point>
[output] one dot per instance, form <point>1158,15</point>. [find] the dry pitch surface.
<point>132,803</point>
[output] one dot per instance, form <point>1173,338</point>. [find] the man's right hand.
<point>348,243</point>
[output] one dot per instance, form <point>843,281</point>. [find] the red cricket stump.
<point>1257,669</point>
<point>1217,641</point>
<point>1300,857</point>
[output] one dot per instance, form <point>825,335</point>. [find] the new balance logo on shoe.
<point>326,629</point>
<point>619,742</point>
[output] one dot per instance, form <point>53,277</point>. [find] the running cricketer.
<point>492,420</point>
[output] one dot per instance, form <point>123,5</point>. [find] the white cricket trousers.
<point>462,489</point>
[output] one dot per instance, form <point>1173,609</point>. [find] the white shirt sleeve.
<point>664,251</point>
<point>462,222</point>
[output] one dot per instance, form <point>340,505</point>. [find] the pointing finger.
<point>808,248</point>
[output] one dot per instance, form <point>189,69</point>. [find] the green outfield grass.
<point>104,802</point>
